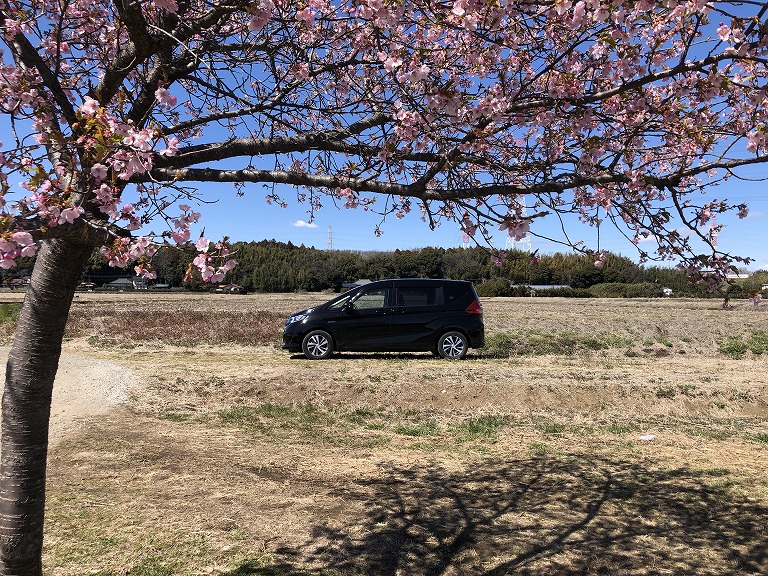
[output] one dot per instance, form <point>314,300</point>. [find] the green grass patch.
<point>176,416</point>
<point>710,433</point>
<point>9,313</point>
<point>361,427</point>
<point>481,428</point>
<point>551,428</point>
<point>366,418</point>
<point>582,430</point>
<point>737,346</point>
<point>539,343</point>
<point>420,429</point>
<point>618,428</point>
<point>153,566</point>
<point>263,567</point>
<point>303,421</point>
<point>760,437</point>
<point>365,427</point>
<point>245,417</point>
<point>273,411</point>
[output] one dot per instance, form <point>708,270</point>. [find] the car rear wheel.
<point>317,345</point>
<point>452,345</point>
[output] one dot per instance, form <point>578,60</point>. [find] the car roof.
<point>417,280</point>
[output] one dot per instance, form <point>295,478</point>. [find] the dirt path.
<point>85,387</point>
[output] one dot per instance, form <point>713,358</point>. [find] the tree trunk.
<point>31,368</point>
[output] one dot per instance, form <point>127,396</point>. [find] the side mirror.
<point>348,307</point>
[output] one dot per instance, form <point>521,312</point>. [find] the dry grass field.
<point>623,437</point>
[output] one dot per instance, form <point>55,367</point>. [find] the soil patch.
<point>85,388</point>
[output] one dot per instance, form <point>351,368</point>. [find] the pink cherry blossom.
<point>165,98</point>
<point>99,171</point>
<point>22,238</point>
<point>468,226</point>
<point>28,251</point>
<point>145,272</point>
<point>202,244</point>
<point>306,15</point>
<point>89,106</point>
<point>180,237</point>
<point>168,5</point>
<point>466,112</point>
<point>6,246</point>
<point>724,32</point>
<point>517,229</point>
<point>229,265</point>
<point>259,20</point>
<point>68,215</point>
<point>600,260</point>
<point>171,148</point>
<point>562,6</point>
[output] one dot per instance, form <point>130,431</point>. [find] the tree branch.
<point>27,57</point>
<point>331,141</point>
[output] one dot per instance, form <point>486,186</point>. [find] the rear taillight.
<point>475,308</point>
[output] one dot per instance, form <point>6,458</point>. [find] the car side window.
<point>457,293</point>
<point>420,296</point>
<point>371,299</point>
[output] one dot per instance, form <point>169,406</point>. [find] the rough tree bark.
<point>31,368</point>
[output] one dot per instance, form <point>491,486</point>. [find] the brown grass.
<point>180,328</point>
<point>240,459</point>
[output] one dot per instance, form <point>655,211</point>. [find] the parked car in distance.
<point>406,314</point>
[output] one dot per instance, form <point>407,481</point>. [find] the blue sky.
<point>250,218</point>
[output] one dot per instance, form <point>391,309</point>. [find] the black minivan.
<point>408,314</point>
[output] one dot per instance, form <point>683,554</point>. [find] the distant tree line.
<point>271,266</point>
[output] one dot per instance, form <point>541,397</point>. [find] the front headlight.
<point>296,318</point>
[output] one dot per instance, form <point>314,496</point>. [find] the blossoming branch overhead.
<point>493,115</point>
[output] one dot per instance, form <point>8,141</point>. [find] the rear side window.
<point>458,295</point>
<point>420,296</point>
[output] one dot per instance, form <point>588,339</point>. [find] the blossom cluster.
<point>209,254</point>
<point>15,245</point>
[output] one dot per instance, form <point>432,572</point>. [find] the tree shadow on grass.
<point>563,517</point>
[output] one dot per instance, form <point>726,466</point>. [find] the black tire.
<point>452,345</point>
<point>317,345</point>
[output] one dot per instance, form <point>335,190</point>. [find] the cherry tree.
<point>488,115</point>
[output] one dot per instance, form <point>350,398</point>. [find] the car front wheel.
<point>452,345</point>
<point>317,345</point>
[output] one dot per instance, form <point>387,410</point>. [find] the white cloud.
<point>303,224</point>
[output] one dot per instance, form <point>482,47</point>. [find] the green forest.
<point>271,266</point>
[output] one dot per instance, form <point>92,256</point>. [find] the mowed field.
<point>589,437</point>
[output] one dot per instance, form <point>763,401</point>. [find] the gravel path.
<point>84,387</point>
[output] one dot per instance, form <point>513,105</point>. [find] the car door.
<point>364,322</point>
<point>419,307</point>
